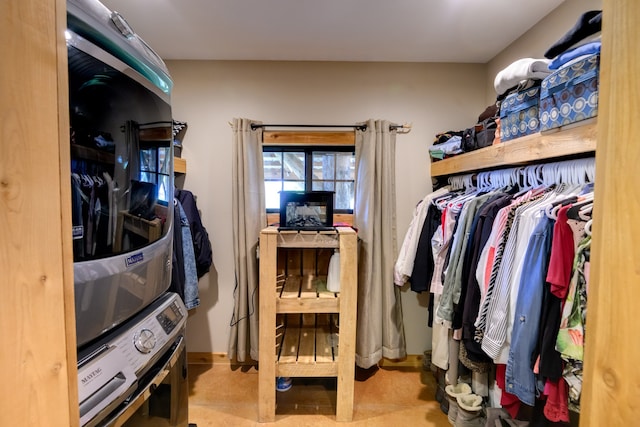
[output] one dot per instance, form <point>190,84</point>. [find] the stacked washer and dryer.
<point>132,367</point>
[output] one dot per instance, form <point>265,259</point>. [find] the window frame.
<point>157,172</point>
<point>309,142</point>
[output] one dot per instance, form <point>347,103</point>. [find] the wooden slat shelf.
<point>308,347</point>
<point>306,294</point>
<point>296,313</point>
<point>567,141</point>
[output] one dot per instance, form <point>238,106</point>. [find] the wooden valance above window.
<point>303,138</point>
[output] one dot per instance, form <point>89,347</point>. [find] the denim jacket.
<point>520,379</point>
<point>191,298</point>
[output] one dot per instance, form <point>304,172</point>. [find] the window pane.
<point>329,171</point>
<point>293,185</point>
<point>148,160</point>
<point>322,186</point>
<point>346,166</point>
<point>272,162</point>
<point>272,194</point>
<point>164,156</point>
<point>293,166</point>
<point>344,195</point>
<point>163,185</point>
<point>324,165</point>
<point>148,177</point>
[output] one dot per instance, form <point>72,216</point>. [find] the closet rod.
<point>255,126</point>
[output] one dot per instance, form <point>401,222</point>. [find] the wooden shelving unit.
<point>151,230</point>
<point>302,325</point>
<point>576,139</point>
<point>92,154</point>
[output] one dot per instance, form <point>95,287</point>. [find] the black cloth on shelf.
<point>443,137</point>
<point>588,24</point>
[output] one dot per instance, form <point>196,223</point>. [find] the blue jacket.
<point>520,379</point>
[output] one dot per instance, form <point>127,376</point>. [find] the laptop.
<point>143,198</point>
<point>306,210</point>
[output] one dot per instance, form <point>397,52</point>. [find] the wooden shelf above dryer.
<point>571,140</point>
<point>179,165</point>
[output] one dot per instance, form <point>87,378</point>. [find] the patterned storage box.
<point>570,94</point>
<point>519,114</point>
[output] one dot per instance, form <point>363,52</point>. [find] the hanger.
<point>456,182</point>
<point>551,210</point>
<point>527,178</point>
<point>587,227</point>
<point>441,202</point>
<point>468,182</point>
<point>86,180</point>
<point>575,212</point>
<point>585,212</point>
<point>460,182</point>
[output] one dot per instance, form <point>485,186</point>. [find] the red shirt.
<point>562,253</point>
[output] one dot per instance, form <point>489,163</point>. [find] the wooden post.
<point>38,359</point>
<point>612,376</point>
<point>267,328</point>
<point>347,337</point>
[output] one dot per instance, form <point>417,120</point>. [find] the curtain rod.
<point>255,126</point>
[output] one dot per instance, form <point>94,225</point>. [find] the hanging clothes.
<point>200,237</point>
<point>178,274</point>
<point>191,298</point>
<point>404,264</point>
<point>508,270</point>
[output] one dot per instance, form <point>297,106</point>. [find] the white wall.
<point>208,94</point>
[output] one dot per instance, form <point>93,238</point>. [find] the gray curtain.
<point>380,331</point>
<point>249,217</point>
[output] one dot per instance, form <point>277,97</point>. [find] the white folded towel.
<point>522,69</point>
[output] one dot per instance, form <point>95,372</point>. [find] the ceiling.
<point>332,30</point>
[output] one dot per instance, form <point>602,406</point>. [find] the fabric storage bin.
<point>570,94</point>
<point>519,113</point>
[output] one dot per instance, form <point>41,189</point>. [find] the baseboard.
<point>198,358</point>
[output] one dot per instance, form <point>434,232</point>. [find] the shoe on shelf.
<point>283,383</point>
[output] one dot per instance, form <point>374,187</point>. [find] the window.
<point>154,168</point>
<point>310,168</point>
